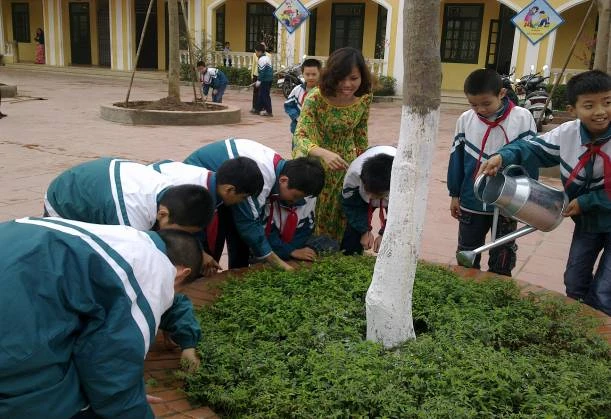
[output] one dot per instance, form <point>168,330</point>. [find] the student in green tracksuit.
<point>80,306</point>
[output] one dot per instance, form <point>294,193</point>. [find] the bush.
<point>292,344</point>
<point>385,86</point>
<point>235,76</point>
<point>559,99</point>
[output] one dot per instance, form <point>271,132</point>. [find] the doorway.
<point>103,34</point>
<point>148,54</point>
<point>500,41</point>
<point>347,23</point>
<point>80,34</point>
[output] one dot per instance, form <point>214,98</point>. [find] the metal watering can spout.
<point>521,198</point>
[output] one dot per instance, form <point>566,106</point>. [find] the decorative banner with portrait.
<point>291,13</point>
<point>537,20</point>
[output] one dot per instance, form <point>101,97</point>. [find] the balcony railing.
<point>244,60</point>
<point>568,73</point>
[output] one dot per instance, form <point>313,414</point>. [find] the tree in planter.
<point>602,58</point>
<point>389,298</point>
<point>173,53</point>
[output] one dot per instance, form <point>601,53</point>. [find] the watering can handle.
<point>515,166</point>
<point>477,184</point>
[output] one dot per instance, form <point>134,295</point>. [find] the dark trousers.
<point>85,414</point>
<point>264,100</point>
<point>472,231</point>
<point>351,242</point>
<point>581,282</point>
<point>237,249</point>
<point>255,92</point>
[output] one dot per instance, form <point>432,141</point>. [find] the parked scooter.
<point>290,77</point>
<point>508,86</point>
<point>531,88</point>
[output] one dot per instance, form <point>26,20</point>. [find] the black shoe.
<point>2,115</point>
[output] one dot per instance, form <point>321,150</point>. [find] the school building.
<point>474,34</point>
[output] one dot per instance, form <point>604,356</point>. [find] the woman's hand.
<point>333,160</point>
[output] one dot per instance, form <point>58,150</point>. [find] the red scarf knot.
<point>288,228</point>
<point>491,125</point>
<point>593,150</point>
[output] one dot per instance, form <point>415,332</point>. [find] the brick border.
<point>162,362</point>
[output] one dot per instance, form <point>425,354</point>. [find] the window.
<point>462,28</point>
<point>347,21</point>
<point>261,25</point>
<point>381,32</point>
<point>220,27</point>
<point>21,22</point>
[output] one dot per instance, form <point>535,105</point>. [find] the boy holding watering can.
<point>492,122</point>
<point>583,150</point>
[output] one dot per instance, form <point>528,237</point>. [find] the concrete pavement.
<point>41,138</point>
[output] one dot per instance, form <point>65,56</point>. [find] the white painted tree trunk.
<point>389,298</point>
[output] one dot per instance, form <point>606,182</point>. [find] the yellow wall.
<point>235,24</point>
<point>454,74</point>
<point>566,34</point>
<point>27,50</point>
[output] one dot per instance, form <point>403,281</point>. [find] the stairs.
<point>87,71</point>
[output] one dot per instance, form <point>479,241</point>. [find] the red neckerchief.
<point>491,125</point>
<point>289,227</point>
<point>212,229</point>
<point>593,151</point>
<point>370,210</point>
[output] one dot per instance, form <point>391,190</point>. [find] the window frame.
<point>250,46</point>
<point>220,29</point>
<point>24,35</point>
<point>336,16</point>
<point>480,19</point>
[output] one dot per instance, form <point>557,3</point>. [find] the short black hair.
<point>305,174</point>
<point>243,173</point>
<point>311,62</point>
<point>188,205</point>
<point>201,64</point>
<point>593,81</point>
<point>375,173</point>
<point>339,66</point>
<point>260,48</point>
<point>182,249</point>
<point>483,81</point>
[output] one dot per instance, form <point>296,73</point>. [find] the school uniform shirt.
<point>292,105</point>
<point>357,205</point>
<point>108,191</point>
<point>264,69</point>
<point>290,226</point>
<point>179,173</point>
<point>475,140</point>
<point>213,77</point>
<point>80,306</point>
<point>583,174</point>
<point>248,215</point>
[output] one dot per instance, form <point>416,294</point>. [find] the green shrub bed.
<point>281,345</point>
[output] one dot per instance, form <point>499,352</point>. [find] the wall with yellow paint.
<point>566,34</point>
<point>235,24</point>
<point>27,50</point>
<point>454,74</point>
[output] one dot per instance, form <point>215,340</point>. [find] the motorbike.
<point>531,89</point>
<point>508,86</point>
<point>288,78</point>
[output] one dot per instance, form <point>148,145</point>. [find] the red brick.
<point>181,405</point>
<point>202,413</point>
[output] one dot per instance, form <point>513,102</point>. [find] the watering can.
<point>519,197</point>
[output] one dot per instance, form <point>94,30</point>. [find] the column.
<point>2,41</point>
<point>54,33</point>
<point>398,64</point>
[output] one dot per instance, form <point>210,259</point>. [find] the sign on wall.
<point>291,13</point>
<point>537,20</point>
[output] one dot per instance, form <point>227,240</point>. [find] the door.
<point>148,54</point>
<point>103,34</point>
<point>347,21</point>
<point>500,41</point>
<point>80,35</point>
